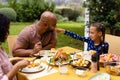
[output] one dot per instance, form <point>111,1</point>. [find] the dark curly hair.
<point>4,27</point>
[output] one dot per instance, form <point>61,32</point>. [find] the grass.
<point>63,40</point>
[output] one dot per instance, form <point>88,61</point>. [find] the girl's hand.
<point>60,30</point>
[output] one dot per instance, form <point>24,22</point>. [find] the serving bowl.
<point>80,64</point>
<point>113,68</point>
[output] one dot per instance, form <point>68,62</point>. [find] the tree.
<point>104,11</point>
<point>30,10</point>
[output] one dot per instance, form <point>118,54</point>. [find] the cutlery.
<point>74,56</point>
<point>49,68</point>
<point>37,57</point>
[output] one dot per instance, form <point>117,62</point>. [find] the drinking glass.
<point>63,69</point>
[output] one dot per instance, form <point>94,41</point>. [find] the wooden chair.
<point>11,40</point>
<point>114,43</point>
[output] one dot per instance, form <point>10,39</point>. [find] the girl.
<point>96,39</point>
<point>7,70</point>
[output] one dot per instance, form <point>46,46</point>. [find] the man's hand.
<point>37,47</point>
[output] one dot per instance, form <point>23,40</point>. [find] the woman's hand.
<point>15,61</point>
<point>21,64</point>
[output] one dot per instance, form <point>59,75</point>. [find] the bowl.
<point>80,64</point>
<point>81,73</point>
<point>113,68</point>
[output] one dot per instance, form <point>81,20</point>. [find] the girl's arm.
<point>72,34</point>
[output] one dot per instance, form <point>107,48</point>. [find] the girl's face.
<point>94,34</point>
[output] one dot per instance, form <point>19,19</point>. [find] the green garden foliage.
<point>69,13</point>
<point>9,12</point>
<point>80,19</point>
<point>61,18</point>
<point>30,10</point>
<point>105,11</point>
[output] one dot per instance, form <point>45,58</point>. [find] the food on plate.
<point>53,50</point>
<point>60,56</point>
<point>69,50</point>
<point>80,62</point>
<point>79,55</point>
<point>108,58</point>
<point>113,69</point>
<point>34,63</point>
<point>92,52</point>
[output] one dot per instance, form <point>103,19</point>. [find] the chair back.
<point>11,40</point>
<point>114,43</point>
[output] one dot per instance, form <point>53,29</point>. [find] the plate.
<point>33,69</point>
<point>45,53</point>
<point>85,55</point>
<point>57,63</point>
<point>101,76</point>
<point>80,63</point>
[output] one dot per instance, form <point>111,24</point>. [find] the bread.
<point>79,55</point>
<point>92,52</point>
<point>53,50</point>
<point>60,54</point>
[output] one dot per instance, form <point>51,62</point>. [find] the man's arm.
<point>21,47</point>
<point>20,51</point>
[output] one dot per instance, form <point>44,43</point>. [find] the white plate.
<point>33,69</point>
<point>101,76</point>
<point>45,53</point>
<point>57,63</point>
<point>85,55</point>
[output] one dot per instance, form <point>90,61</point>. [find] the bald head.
<point>47,22</point>
<point>48,16</point>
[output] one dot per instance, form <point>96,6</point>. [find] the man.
<point>36,37</point>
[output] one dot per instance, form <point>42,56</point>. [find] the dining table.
<point>55,74</point>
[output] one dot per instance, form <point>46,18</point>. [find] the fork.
<point>49,68</point>
<point>36,57</point>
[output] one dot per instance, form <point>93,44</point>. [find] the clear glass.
<point>63,69</point>
<point>81,73</point>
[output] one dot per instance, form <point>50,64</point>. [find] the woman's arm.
<point>19,65</point>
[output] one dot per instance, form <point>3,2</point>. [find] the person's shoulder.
<point>106,43</point>
<point>28,28</point>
